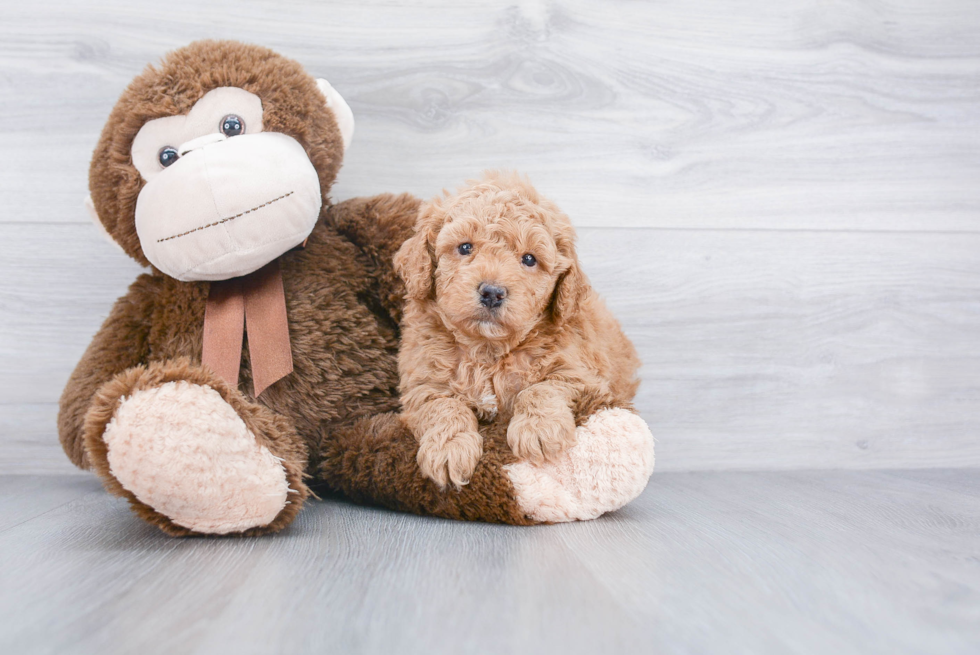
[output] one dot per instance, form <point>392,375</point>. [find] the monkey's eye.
<point>232,125</point>
<point>168,155</point>
<point>464,248</point>
<point>529,260</point>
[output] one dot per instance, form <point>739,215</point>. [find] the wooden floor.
<point>703,562</point>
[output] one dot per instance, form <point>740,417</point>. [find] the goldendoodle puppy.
<point>500,322</point>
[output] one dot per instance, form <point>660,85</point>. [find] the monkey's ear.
<point>341,111</point>
<point>94,215</point>
<point>413,263</point>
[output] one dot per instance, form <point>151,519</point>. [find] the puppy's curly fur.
<point>501,323</point>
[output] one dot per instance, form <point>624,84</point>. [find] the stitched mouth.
<point>225,220</point>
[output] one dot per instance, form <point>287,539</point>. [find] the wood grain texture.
<point>763,349</point>
<point>847,115</point>
<point>781,205</point>
<point>802,562</point>
<point>29,441</point>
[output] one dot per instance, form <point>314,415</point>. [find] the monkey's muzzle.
<point>228,207</point>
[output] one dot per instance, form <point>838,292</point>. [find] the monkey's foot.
<point>184,452</point>
<point>608,467</point>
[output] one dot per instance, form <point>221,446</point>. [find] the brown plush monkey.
<point>259,353</point>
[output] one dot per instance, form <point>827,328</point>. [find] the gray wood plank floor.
<point>708,562</point>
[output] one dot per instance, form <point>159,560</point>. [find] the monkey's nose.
<point>491,296</point>
<point>200,142</point>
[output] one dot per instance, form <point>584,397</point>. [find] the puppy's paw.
<point>541,436</point>
<point>451,459</point>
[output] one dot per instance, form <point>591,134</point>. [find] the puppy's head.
<point>496,259</point>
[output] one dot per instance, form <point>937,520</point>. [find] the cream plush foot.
<point>608,467</point>
<point>185,452</point>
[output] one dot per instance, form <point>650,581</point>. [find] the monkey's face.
<point>222,198</point>
<point>217,163</point>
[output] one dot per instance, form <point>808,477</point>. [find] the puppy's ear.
<point>413,263</point>
<point>569,292</point>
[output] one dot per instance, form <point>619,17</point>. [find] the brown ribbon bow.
<point>257,303</point>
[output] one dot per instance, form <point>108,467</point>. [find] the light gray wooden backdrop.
<point>780,200</point>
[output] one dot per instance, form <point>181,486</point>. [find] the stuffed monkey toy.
<point>258,355</point>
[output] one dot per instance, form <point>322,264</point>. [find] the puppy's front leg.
<point>449,444</point>
<point>543,424</point>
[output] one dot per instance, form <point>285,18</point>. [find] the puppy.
<point>500,323</point>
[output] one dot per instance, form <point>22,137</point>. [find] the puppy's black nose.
<point>491,296</point>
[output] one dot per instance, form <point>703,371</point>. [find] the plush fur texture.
<point>543,353</point>
<point>343,303</point>
<point>182,449</point>
<point>608,466</point>
<point>270,432</point>
<point>331,422</point>
<point>291,102</point>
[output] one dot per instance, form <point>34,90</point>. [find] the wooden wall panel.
<point>817,115</point>
<point>768,349</point>
<point>781,204</point>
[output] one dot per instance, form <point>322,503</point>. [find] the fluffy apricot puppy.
<point>501,324</point>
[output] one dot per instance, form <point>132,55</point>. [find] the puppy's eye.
<point>232,125</point>
<point>167,156</point>
<point>464,248</point>
<point>529,260</point>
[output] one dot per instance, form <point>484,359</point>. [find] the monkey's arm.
<point>378,226</point>
<point>120,343</point>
